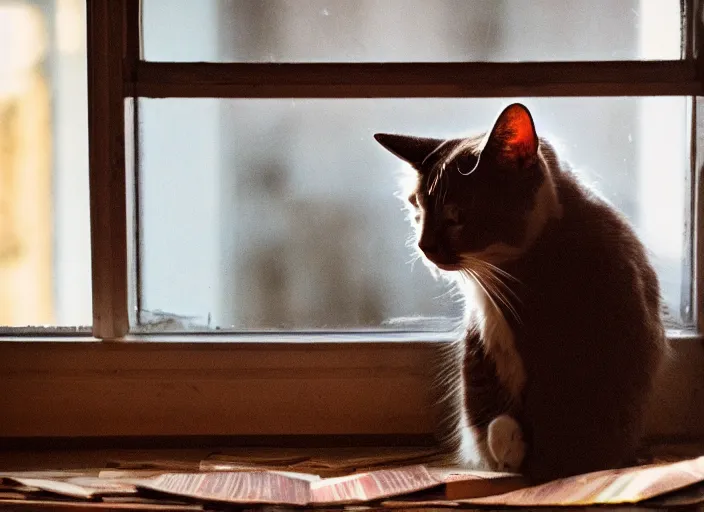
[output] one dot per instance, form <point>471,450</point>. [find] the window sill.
<point>221,386</point>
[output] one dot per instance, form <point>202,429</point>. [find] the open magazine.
<point>411,486</point>
<point>610,487</point>
<point>629,485</point>
<point>286,488</point>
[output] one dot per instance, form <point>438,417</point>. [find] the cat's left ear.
<point>411,149</point>
<point>512,142</point>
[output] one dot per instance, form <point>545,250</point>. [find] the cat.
<point>563,338</point>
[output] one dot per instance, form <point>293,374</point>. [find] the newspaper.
<point>43,504</point>
<point>414,486</point>
<point>82,487</point>
<point>339,463</point>
<point>610,487</point>
<point>282,488</point>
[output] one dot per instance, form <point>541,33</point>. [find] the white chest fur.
<point>498,340</point>
<point>499,343</point>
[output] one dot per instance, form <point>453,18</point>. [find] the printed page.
<point>77,487</point>
<point>56,486</point>
<point>235,487</point>
<point>454,474</point>
<point>379,458</point>
<point>104,486</point>
<point>162,464</point>
<point>465,484</point>
<point>630,485</point>
<point>224,462</point>
<point>371,486</point>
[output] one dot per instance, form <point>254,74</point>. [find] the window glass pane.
<point>44,214</point>
<point>281,214</point>
<point>409,30</point>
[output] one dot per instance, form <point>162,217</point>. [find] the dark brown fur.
<point>587,327</point>
<point>590,338</point>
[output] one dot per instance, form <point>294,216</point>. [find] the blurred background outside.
<point>281,214</point>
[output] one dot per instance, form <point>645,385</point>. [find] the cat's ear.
<point>411,149</point>
<point>512,142</point>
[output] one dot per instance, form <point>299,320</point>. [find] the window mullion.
<point>106,44</point>
<point>450,79</point>
<point>694,42</point>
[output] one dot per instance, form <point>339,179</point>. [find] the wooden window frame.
<point>117,384</point>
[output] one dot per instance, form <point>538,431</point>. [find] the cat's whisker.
<point>501,297</point>
<point>490,271</point>
<point>493,270</point>
<point>499,286</point>
<point>481,284</point>
<point>501,290</point>
<point>499,270</point>
<point>504,289</point>
<point>489,283</point>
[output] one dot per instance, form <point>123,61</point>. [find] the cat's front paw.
<point>505,443</point>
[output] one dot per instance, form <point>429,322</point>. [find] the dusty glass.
<point>281,215</point>
<point>410,30</point>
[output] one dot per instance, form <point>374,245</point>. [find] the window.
<point>290,222</point>
<point>248,260</point>
<point>293,224</point>
<point>44,215</point>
